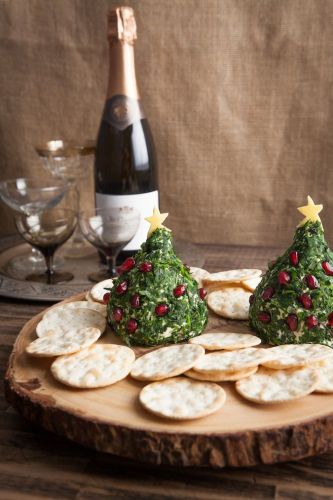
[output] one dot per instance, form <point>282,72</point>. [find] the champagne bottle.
<point>125,161</point>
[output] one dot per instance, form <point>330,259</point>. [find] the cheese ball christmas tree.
<point>155,300</point>
<point>294,301</point>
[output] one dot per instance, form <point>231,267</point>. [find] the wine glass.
<point>109,231</point>
<point>47,231</point>
<point>71,161</point>
<point>30,196</point>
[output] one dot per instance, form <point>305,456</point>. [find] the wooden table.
<point>36,464</point>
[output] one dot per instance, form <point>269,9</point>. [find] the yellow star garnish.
<point>156,220</point>
<point>310,211</point>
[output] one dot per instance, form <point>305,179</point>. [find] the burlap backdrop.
<point>238,93</point>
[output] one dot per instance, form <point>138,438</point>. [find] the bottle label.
<point>121,111</point>
<point>144,202</point>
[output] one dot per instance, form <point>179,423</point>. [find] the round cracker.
<point>231,376</point>
<point>60,320</point>
<point>228,341</point>
<point>96,366</point>
<point>63,343</point>
<point>269,386</point>
<point>79,304</point>
<point>220,362</point>
<point>296,355</point>
<point>232,303</point>
<point>166,362</point>
<point>232,276</point>
<point>182,398</point>
<point>199,274</point>
<point>100,289</point>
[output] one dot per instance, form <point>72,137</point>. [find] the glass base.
<point>30,263</point>
<point>54,279</point>
<point>100,276</point>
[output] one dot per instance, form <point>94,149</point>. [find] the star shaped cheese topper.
<point>310,211</point>
<point>156,220</point>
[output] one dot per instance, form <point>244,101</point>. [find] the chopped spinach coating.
<point>293,303</point>
<point>154,309</point>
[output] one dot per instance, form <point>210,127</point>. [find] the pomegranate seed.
<point>146,267</point>
<point>202,293</point>
<point>106,297</point>
<point>312,281</point>
<point>330,319</point>
<point>283,278</point>
<point>268,293</point>
<point>264,317</point>
<point>293,258</point>
<point>311,321</point>
<point>328,269</point>
<point>251,299</point>
<point>179,290</point>
<point>135,301</point>
<point>131,325</point>
<point>121,288</point>
<point>306,301</point>
<point>127,265</point>
<point>292,322</point>
<point>117,314</point>
<point>161,310</point>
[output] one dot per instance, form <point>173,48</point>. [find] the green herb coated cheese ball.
<point>293,304</point>
<point>155,300</point>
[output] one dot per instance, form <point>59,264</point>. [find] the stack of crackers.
<point>183,381</point>
<point>228,291</point>
<point>70,332</point>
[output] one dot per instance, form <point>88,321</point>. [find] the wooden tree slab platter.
<point>111,419</point>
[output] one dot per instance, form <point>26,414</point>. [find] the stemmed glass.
<point>31,196</point>
<point>109,231</point>
<point>72,162</point>
<point>47,231</point>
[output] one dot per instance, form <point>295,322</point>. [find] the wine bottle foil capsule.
<point>122,25</point>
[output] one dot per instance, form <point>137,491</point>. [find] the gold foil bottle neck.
<point>122,25</point>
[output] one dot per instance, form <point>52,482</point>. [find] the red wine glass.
<point>47,231</point>
<point>109,230</point>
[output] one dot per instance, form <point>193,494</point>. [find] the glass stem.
<point>78,194</point>
<point>49,267</point>
<point>78,236</point>
<point>112,266</point>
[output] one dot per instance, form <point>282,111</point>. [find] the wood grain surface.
<point>37,464</point>
<point>110,419</point>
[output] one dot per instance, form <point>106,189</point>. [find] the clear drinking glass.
<point>31,196</point>
<point>109,231</point>
<point>72,162</point>
<point>47,231</point>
